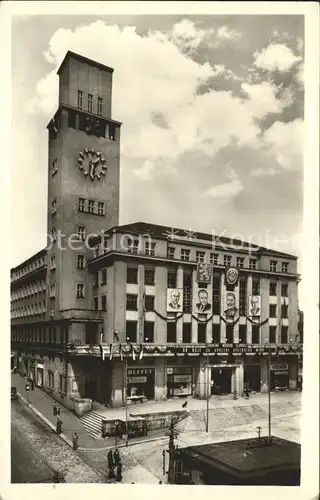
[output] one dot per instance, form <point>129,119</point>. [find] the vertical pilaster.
<point>194,323</point>
<point>180,321</point>
<point>160,389</point>
<point>222,323</point>
<point>264,373</point>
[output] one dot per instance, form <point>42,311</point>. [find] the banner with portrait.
<point>202,301</point>
<point>254,306</point>
<point>174,300</point>
<point>230,306</point>
<point>204,272</point>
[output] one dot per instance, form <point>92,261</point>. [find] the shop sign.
<point>137,380</point>
<point>182,378</point>
<point>279,367</point>
<point>140,371</point>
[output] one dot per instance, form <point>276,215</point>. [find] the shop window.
<point>131,331</point>
<point>242,334</point>
<point>149,276</point>
<point>242,297</point>
<point>186,333</point>
<point>148,335</point>
<point>272,334</point>
<point>284,290</point>
<point>103,302</point>
<point>179,381</point>
<point>273,289</point>
<point>229,334</point>
<point>284,335</point>
<point>172,278</point>
<point>132,275</point>
<point>132,302</point>
<point>255,334</point>
<point>216,293</point>
<point>216,330</point>
<point>256,286</point>
<point>272,310</point>
<point>171,331</point>
<point>149,302</point>
<point>202,327</point>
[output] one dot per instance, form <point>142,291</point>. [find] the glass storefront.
<point>252,377</point>
<point>279,377</point>
<point>179,381</point>
<point>140,383</point>
<point>221,378</point>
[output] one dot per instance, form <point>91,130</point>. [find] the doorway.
<point>252,377</point>
<point>91,391</point>
<point>221,380</point>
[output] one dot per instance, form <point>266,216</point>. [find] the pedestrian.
<point>116,457</point>
<point>59,425</point>
<point>75,441</point>
<point>32,384</point>
<point>110,460</point>
<point>119,472</point>
<point>58,411</point>
<point>55,410</point>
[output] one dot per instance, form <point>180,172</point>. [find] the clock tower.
<point>83,179</point>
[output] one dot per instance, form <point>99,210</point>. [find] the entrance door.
<point>252,376</point>
<point>221,378</point>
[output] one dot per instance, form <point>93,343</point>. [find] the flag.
<point>121,356</point>
<point>141,352</point>
<point>102,353</point>
<point>133,354</point>
<point>110,352</point>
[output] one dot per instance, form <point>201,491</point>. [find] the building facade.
<point>122,313</point>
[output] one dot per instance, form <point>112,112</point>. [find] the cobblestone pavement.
<point>56,454</point>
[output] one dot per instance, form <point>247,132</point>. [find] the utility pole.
<point>171,450</point>
<point>269,391</point>
<point>126,396</point>
<point>208,388</point>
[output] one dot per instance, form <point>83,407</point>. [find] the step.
<point>92,423</point>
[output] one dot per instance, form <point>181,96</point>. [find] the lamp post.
<point>125,396</point>
<point>207,420</point>
<point>269,388</point>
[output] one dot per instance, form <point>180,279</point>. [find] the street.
<point>38,454</point>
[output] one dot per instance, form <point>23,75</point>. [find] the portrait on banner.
<point>174,299</point>
<point>254,305</point>
<point>230,305</point>
<point>202,301</point>
<point>204,272</point>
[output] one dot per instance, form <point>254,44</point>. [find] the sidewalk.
<point>42,404</point>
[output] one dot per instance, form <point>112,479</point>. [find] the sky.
<point>212,110</point>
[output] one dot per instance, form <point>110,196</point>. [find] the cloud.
<point>264,172</point>
<point>285,142</point>
<point>276,56</point>
<point>226,190</point>
<point>224,33</point>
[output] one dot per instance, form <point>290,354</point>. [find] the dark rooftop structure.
<point>242,462</point>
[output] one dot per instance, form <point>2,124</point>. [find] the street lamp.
<point>269,387</point>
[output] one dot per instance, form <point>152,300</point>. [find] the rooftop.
<point>85,60</point>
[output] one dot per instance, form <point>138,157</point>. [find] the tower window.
<point>100,207</point>
<point>90,97</point>
<point>81,233</point>
<point>80,99</point>
<point>54,167</point>
<point>100,103</point>
<point>82,205</point>
<point>80,290</point>
<point>80,261</point>
<point>91,207</point>
<point>112,131</point>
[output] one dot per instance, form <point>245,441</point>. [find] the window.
<point>80,99</point>
<point>80,290</point>
<point>214,258</point>
<point>132,275</point>
<point>171,331</point>
<point>273,289</point>
<point>150,248</point>
<point>255,334</point>
<point>272,334</point>
<point>131,331</point>
<point>256,286</point>
<point>148,332</point>
<point>91,207</point>
<point>96,303</point>
<point>100,103</point>
<point>51,379</point>
<point>227,260</point>
<point>202,327</point>
<point>171,252</point>
<point>149,302</point>
<point>187,291</point>
<point>216,294</point>
<point>133,246</point>
<point>242,334</point>
<point>252,263</point>
<point>273,266</point>
<point>81,205</point>
<point>285,267</point>
<point>52,290</point>
<point>242,297</point>
<point>186,333</point>
<point>172,278</point>
<point>240,262</point>
<point>81,231</point>
<point>72,117</point>
<point>229,334</point>
<point>53,262</point>
<point>100,207</point>
<point>284,290</point>
<point>284,335</point>
<point>185,254</point>
<point>104,276</point>
<point>81,261</point>
<point>132,302</point>
<point>96,280</point>
<point>112,131</point>
<point>54,168</point>
<point>216,333</point>
<point>103,302</point>
<point>149,274</point>
<point>90,97</point>
<point>272,311</point>
<point>284,311</point>
<point>54,206</point>
<point>200,256</point>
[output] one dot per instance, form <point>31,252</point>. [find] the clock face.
<point>92,164</point>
